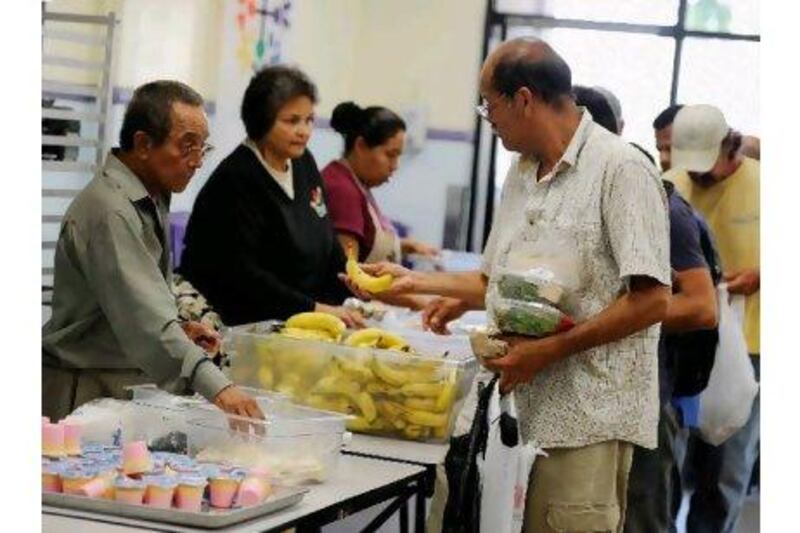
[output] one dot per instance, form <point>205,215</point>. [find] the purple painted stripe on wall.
<point>433,133</point>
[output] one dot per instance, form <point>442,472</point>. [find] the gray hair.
<point>150,109</point>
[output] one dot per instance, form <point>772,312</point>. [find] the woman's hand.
<point>351,318</point>
<point>413,246</point>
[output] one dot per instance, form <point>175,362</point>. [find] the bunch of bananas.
<point>377,338</point>
<point>315,326</point>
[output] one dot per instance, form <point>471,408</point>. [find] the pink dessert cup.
<point>72,438</point>
<point>160,491</point>
<point>95,488</point>
<point>130,491</point>
<point>136,458</point>
<point>189,494</point>
<point>253,491</point>
<point>51,479</point>
<point>222,491</point>
<point>73,481</point>
<point>53,440</point>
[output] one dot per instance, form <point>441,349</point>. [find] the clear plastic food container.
<point>295,444</point>
<point>390,393</point>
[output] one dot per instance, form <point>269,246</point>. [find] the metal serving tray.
<point>208,518</point>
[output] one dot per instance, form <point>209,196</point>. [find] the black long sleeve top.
<point>256,253</point>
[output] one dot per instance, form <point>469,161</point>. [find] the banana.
<point>446,398</point>
<point>392,376</point>
<point>422,404</point>
<point>425,418</point>
<point>263,351</point>
<point>381,389</point>
<point>312,334</point>
<point>377,338</point>
<point>366,406</point>
<point>424,390</point>
<point>319,321</point>
<point>332,385</point>
<point>338,404</point>
<point>364,281</point>
<point>415,432</point>
<point>355,370</point>
<point>358,424</point>
<point>265,377</point>
<point>392,412</point>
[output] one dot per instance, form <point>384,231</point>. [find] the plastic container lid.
<point>162,481</point>
<point>192,481</point>
<point>123,482</point>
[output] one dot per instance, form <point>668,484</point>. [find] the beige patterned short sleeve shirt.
<point>606,199</point>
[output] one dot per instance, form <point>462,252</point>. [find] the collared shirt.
<point>605,206</point>
<point>284,178</point>
<point>112,303</point>
<point>732,209</point>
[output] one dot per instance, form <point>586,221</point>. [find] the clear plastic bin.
<point>389,393</point>
<point>294,444</point>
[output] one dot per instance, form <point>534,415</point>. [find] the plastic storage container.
<point>295,444</point>
<point>389,393</point>
<point>535,319</point>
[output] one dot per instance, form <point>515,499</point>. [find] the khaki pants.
<point>64,389</point>
<point>579,490</point>
<point>575,490</point>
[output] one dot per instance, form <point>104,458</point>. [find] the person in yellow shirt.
<point>710,171</point>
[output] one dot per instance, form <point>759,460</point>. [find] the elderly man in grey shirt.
<point>115,321</point>
<point>588,394</point>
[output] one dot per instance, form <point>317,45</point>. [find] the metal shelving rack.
<point>64,179</point>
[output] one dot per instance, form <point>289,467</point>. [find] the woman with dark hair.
<point>259,243</point>
<point>373,142</point>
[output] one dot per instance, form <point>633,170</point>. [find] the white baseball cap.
<point>697,135</point>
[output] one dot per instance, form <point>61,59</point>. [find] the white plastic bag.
<point>726,402</point>
<point>505,469</point>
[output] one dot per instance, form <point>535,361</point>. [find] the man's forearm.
<point>689,314</point>
<point>467,286</point>
<point>632,312</point>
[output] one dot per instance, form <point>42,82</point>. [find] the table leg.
<point>404,517</point>
<point>419,511</point>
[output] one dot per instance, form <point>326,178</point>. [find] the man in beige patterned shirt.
<point>588,394</point>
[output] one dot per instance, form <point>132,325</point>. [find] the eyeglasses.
<point>189,149</point>
<point>484,108</point>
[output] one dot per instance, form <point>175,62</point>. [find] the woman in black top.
<point>259,243</point>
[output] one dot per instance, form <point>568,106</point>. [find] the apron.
<point>386,246</point>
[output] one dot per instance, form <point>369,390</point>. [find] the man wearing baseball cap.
<point>710,171</point>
